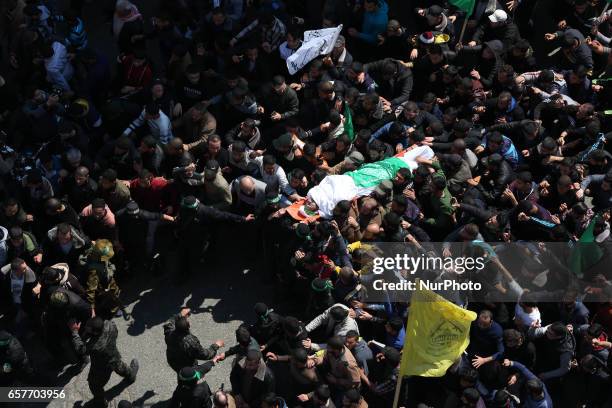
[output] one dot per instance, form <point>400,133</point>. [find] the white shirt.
<point>58,66</point>
<point>279,177</point>
<point>524,318</point>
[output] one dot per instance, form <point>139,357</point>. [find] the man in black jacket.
<point>101,345</point>
<point>251,379</point>
<point>280,102</point>
<point>494,182</point>
<point>13,360</point>
<point>183,348</point>
<point>62,307</point>
<point>393,79</point>
<point>79,189</point>
<point>191,390</point>
<point>192,230</point>
<point>133,225</point>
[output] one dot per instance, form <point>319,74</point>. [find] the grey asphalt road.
<point>221,297</point>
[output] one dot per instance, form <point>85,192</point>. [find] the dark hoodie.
<point>554,356</point>
<point>471,58</point>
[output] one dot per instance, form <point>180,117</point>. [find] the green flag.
<point>466,5</point>
<point>586,252</point>
<point>348,122</point>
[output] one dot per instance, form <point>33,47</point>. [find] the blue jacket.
<point>374,23</point>
<point>528,400</point>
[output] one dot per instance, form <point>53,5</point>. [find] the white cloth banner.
<point>316,42</point>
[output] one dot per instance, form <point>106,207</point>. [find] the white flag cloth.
<point>316,42</point>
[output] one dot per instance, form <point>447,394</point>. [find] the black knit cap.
<point>187,374</point>
<point>260,309</point>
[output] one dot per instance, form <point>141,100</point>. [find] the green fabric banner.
<point>370,175</point>
<point>466,5</point>
<point>348,122</point>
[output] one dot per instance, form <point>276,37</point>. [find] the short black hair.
<point>243,336</point>
<point>396,323</point>
<point>110,175</point>
<point>335,342</point>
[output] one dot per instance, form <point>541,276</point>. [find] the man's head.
<point>434,15</point>
<point>524,181</point>
<point>211,169</point>
<point>351,339</point>
<point>321,395</point>
<point>94,326</point>
<point>10,207</point>
<point>498,18</point>
<point>53,206</point>
<point>278,84</point>
<point>16,235</point>
<point>18,268</point>
<point>269,164</point>
<point>98,208</point>
<point>556,331</point>
<point>64,233</point>
<point>253,359</point>
<point>351,399</point>
<point>356,72</point>
<point>394,325</point>
<point>326,90</point>
<point>335,346</point>
<point>108,180</point>
<point>193,74</point>
<point>513,338</point>
<point>411,110</point>
<point>247,185</point>
<point>338,313</point>
<point>370,6</point>
<point>485,319</point>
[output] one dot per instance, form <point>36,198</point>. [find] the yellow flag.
<point>437,333</point>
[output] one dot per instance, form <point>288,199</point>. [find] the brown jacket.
<point>196,133</point>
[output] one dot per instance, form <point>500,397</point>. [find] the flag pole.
<point>398,388</point>
<point>463,28</point>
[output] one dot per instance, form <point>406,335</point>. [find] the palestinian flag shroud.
<point>363,181</point>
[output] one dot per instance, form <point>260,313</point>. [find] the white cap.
<point>498,17</point>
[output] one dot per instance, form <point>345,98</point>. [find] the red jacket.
<point>155,198</point>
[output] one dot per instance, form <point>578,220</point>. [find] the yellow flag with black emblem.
<point>437,333</point>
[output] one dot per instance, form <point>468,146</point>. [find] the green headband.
<point>196,376</point>
<point>273,200</point>
<point>192,206</point>
<point>328,286</point>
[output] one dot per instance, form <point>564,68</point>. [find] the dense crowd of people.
<point>116,165</point>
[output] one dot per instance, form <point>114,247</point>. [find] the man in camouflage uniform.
<point>183,348</point>
<point>100,342</point>
<point>102,291</point>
